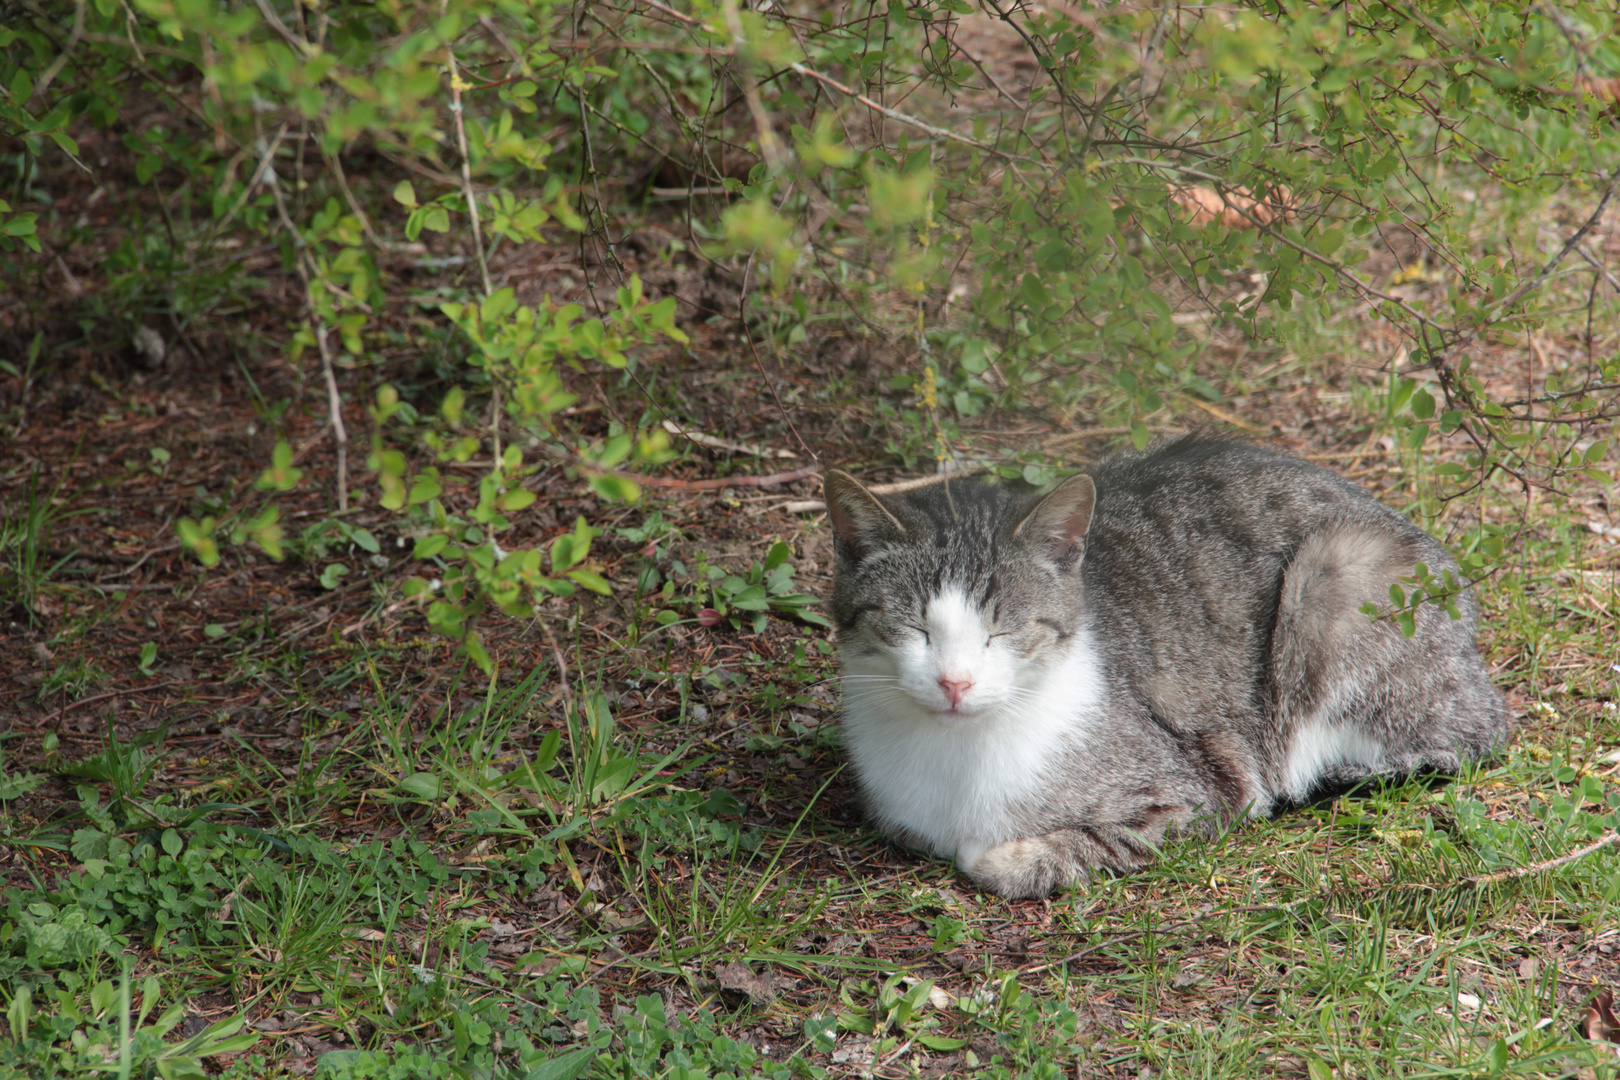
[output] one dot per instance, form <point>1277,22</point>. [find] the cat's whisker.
<point>864,698</point>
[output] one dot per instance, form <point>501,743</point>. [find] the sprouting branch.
<point>456,86</point>
<point>895,114</point>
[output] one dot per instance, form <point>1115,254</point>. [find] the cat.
<point>1041,686</point>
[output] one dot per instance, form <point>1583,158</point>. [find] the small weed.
<point>720,597</point>
<point>25,540</point>
<point>99,1030</point>
<point>15,785</point>
<point>71,679</point>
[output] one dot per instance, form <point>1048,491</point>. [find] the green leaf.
<point>405,194</point>
<point>592,581</point>
<point>820,1031</point>
<point>476,651</point>
<point>1497,1057</point>
<point>517,499</point>
<point>218,1038</point>
<point>569,1066</point>
<point>615,488</point>
<point>362,539</point>
<point>333,575</point>
<point>562,553</point>
<point>282,475</point>
<point>450,408</point>
<point>423,785</point>
<point>15,785</point>
<point>197,538</point>
<point>1400,394</point>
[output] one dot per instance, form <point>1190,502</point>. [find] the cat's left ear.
<point>859,521</point>
<point>1062,519</point>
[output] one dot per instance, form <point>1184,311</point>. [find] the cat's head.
<point>951,599</point>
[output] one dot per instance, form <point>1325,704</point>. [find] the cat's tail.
<point>1354,696</point>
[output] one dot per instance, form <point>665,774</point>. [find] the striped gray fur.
<point>1036,687</point>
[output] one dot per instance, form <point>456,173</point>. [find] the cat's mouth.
<point>957,715</point>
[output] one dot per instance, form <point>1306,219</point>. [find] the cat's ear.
<point>1062,519</point>
<point>859,521</point>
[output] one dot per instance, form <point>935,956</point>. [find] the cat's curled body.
<point>1039,686</point>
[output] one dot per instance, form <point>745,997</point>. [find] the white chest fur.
<point>951,781</point>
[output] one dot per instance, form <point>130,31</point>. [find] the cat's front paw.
<point>1028,868</point>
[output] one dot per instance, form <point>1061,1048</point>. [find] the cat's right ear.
<point>1062,519</point>
<point>859,521</point>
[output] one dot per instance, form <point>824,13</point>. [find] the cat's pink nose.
<point>955,689</point>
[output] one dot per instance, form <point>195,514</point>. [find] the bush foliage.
<point>1015,246</point>
<point>1049,211</point>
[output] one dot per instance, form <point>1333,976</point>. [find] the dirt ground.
<point>261,653</point>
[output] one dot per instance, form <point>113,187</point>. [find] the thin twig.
<point>714,484</point>
<point>333,163</point>
<point>1542,867</point>
<point>1569,245</point>
<point>748,335</point>
<point>562,679</point>
<point>671,11</point>
<point>266,165</point>
<point>334,400</point>
<point>61,60</point>
<point>894,114</point>
<point>770,148</point>
<point>334,408</point>
<point>477,235</point>
<point>299,45</point>
<point>354,627</point>
<point>64,710</point>
<point>466,167</point>
<point>988,74</point>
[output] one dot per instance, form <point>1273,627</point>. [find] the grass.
<point>634,852</point>
<point>1342,940</point>
<point>301,836</point>
<point>25,562</point>
<point>651,868</point>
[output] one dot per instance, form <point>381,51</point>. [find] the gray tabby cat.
<point>1038,686</point>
